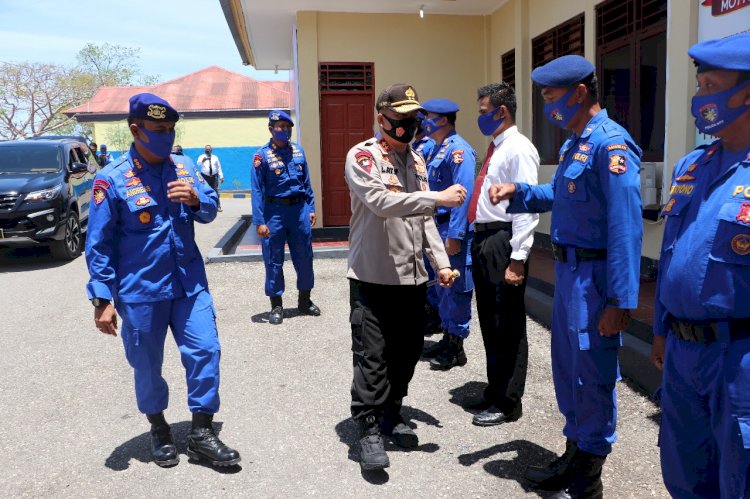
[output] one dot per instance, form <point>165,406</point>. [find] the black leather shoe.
<point>305,304</point>
<point>372,454</point>
<point>432,351</point>
<point>163,449</point>
<point>453,355</point>
<point>557,475</point>
<point>494,416</point>
<point>203,444</point>
<point>276,316</point>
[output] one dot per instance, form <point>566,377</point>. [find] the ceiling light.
<point>421,11</point>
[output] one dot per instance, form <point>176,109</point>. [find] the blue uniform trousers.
<point>705,423</point>
<point>288,224</point>
<point>584,363</point>
<point>454,303</point>
<point>193,323</point>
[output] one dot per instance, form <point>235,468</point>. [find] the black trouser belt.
<point>708,332</point>
<point>582,254</point>
<point>442,218</point>
<point>481,227</point>
<point>285,201</point>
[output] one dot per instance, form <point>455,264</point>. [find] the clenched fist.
<point>451,197</point>
<point>501,192</point>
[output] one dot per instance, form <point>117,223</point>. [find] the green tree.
<point>33,97</point>
<point>112,65</point>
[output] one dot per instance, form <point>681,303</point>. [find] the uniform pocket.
<point>732,241</point>
<point>574,184</point>
<point>357,320</point>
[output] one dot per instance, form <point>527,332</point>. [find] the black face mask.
<point>401,130</point>
<point>208,152</point>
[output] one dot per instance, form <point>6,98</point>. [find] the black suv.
<point>45,192</point>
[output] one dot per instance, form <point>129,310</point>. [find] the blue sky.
<point>176,37</point>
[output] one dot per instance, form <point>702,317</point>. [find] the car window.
<point>30,159</point>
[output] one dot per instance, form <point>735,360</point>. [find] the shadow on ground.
<point>349,434</point>
<point>139,448</point>
<point>25,259</point>
<point>468,396</point>
<point>522,453</point>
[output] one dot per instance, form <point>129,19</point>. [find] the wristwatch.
<point>99,302</point>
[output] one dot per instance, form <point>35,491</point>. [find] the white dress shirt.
<point>515,159</point>
<point>214,165</point>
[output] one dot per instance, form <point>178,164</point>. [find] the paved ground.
<point>70,427</point>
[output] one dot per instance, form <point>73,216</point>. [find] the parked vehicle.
<point>45,192</point>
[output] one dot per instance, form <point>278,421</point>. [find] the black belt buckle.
<point>693,332</point>
<point>559,253</point>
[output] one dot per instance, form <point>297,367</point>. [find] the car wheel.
<point>70,246</point>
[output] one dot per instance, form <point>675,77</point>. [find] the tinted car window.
<point>22,159</point>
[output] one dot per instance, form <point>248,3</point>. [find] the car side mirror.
<point>76,168</point>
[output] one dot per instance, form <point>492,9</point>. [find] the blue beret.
<point>564,71</point>
<point>277,115</point>
<point>440,106</point>
<point>731,53</point>
<point>151,107</point>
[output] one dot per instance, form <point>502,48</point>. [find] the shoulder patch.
<point>257,160</point>
<point>617,147</point>
<point>100,183</point>
<point>617,163</point>
<point>458,156</point>
<point>98,195</point>
<point>364,160</point>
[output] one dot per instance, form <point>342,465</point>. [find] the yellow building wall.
<point>219,132</point>
<point>454,70</point>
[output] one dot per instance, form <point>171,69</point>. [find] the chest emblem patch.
<point>744,213</point>
<point>669,206</point>
<point>144,217</point>
<point>143,201</point>
<point>741,244</point>
<point>571,187</point>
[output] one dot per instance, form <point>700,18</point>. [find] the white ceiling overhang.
<point>267,42</point>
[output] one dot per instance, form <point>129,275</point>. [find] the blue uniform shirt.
<point>279,172</point>
<point>140,245</point>
<point>704,270</point>
<point>452,162</point>
<point>595,198</point>
<point>423,146</point>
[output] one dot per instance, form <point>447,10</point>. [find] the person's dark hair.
<point>137,121</point>
<point>93,145</point>
<point>451,118</point>
<point>500,94</point>
<point>592,86</point>
<point>743,77</point>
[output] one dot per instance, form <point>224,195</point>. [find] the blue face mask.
<point>430,126</point>
<point>558,112</point>
<point>159,144</point>
<point>488,125</point>
<point>282,136</point>
<point>712,112</point>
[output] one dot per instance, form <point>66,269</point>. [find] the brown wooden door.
<point>346,118</point>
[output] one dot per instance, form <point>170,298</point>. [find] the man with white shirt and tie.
<point>500,252</point>
<point>211,169</point>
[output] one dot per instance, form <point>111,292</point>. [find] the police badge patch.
<point>257,160</point>
<point>458,156</point>
<point>98,196</point>
<point>617,164</point>
<point>741,244</point>
<point>143,201</point>
<point>144,217</point>
<point>364,160</point>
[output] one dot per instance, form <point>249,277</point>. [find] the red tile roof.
<point>210,89</point>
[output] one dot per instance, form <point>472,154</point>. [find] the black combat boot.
<point>305,304</point>
<point>453,355</point>
<point>372,454</point>
<point>277,311</point>
<point>204,444</point>
<point>163,449</point>
<point>586,470</point>
<point>556,475</point>
<point>435,349</point>
<point>395,427</point>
